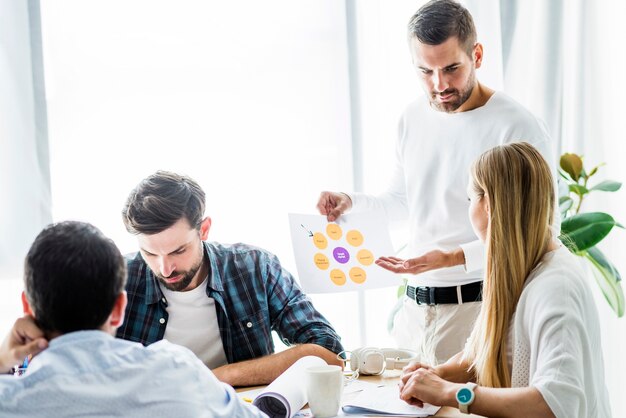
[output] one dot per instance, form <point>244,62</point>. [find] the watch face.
<point>464,395</point>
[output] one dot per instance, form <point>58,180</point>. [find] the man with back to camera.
<point>74,298</point>
<point>440,134</point>
<point>220,301</point>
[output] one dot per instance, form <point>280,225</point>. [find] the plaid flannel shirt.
<point>253,295</point>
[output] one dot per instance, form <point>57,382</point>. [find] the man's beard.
<point>461,97</point>
<point>185,281</point>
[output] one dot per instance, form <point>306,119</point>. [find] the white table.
<point>391,378</point>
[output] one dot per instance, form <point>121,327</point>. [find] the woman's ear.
<point>487,206</point>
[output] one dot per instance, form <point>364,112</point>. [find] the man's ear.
<point>205,226</point>
<point>478,54</point>
<point>26,305</point>
<point>117,314</point>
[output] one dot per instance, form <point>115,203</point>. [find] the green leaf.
<point>564,175</point>
<point>572,164</point>
<point>584,230</point>
<point>607,186</point>
<point>595,169</point>
<point>578,189</point>
<point>601,259</point>
<point>608,278</point>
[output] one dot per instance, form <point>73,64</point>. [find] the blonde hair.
<point>519,185</point>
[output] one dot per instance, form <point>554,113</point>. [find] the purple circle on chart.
<point>341,255</point>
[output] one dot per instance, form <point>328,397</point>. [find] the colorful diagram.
<point>334,257</point>
<point>341,253</point>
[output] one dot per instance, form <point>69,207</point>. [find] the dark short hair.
<point>73,275</point>
<point>438,20</point>
<point>161,200</point>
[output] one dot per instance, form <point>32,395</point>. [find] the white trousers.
<point>436,332</point>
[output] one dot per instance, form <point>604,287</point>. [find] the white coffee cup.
<point>324,389</point>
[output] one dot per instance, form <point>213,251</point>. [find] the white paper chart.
<point>339,256</point>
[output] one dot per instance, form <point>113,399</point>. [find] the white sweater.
<point>434,153</point>
<point>556,334</point>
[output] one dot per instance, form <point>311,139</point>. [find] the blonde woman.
<point>535,348</point>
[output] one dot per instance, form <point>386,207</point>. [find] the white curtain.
<point>24,172</point>
<point>544,46</point>
<point>24,168</point>
<point>250,98</point>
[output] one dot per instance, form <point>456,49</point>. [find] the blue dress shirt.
<point>90,373</point>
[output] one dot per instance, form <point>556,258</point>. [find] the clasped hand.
<point>25,338</point>
<point>421,384</point>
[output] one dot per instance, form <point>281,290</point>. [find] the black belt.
<point>424,295</point>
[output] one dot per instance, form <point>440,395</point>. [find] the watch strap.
<point>464,408</point>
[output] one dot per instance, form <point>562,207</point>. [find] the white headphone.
<point>374,361</point>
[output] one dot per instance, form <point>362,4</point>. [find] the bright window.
<point>249,98</point>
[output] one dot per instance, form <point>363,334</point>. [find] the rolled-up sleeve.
<point>292,313</point>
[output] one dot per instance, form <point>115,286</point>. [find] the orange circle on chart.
<point>321,261</point>
<point>365,257</point>
<point>355,238</point>
<point>320,240</point>
<point>338,277</point>
<point>357,275</point>
<point>334,231</point>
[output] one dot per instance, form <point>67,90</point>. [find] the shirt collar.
<point>74,336</point>
<point>153,291</point>
<point>215,283</point>
<point>65,342</point>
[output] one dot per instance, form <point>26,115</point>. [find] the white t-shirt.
<point>556,334</point>
<point>192,323</point>
<point>434,152</point>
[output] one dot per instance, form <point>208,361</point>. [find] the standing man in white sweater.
<point>440,135</point>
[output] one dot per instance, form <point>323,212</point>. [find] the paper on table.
<point>355,386</point>
<point>339,256</point>
<point>249,395</point>
<point>386,401</point>
<point>284,397</point>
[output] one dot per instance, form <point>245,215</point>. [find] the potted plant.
<point>581,232</point>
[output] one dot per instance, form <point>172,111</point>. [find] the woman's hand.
<point>421,384</point>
